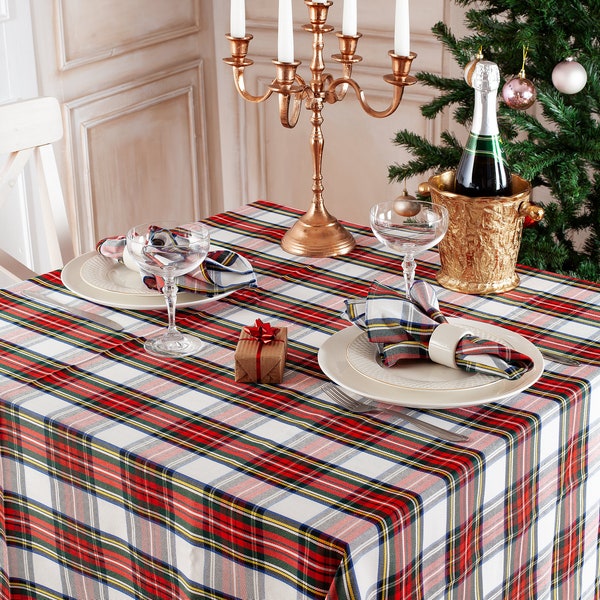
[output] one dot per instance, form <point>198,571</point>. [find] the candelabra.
<point>317,233</point>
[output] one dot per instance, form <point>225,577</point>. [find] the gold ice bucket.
<point>479,252</point>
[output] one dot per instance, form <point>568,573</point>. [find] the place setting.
<point>159,265</point>
<point>110,276</point>
<point>405,352</point>
<point>401,349</point>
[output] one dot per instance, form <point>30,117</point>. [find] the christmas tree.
<point>555,144</point>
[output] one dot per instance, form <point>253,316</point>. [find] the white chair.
<point>27,131</point>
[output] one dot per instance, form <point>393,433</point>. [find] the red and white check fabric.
<point>124,476</point>
<point>402,329</point>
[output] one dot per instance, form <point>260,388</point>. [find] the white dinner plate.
<point>349,359</point>
<point>83,276</point>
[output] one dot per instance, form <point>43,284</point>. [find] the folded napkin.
<point>221,271</point>
<point>412,329</point>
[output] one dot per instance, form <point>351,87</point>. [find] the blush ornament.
<point>519,92</point>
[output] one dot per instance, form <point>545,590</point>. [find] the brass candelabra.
<point>317,233</point>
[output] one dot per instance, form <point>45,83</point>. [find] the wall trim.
<point>66,63</point>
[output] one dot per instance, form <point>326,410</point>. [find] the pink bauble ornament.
<point>569,77</point>
<point>519,93</point>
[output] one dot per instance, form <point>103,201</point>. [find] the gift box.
<point>260,353</point>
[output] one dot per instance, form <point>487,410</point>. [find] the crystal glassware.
<point>409,227</point>
<point>164,250</point>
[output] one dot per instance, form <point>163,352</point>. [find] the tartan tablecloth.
<point>126,476</point>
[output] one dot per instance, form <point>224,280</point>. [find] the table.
<point>125,476</point>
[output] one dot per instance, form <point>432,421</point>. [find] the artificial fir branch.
<point>557,146</point>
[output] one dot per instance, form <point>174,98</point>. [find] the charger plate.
<point>102,280</point>
<point>350,360</point>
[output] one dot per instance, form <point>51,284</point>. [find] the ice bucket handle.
<point>531,211</point>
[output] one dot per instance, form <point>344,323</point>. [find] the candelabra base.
<point>317,234</point>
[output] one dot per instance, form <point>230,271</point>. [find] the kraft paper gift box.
<point>260,353</point>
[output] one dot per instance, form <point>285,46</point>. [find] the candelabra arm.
<point>285,102</point>
<point>333,94</point>
<point>341,93</point>
<point>362,100</point>
<point>399,79</point>
<point>240,86</point>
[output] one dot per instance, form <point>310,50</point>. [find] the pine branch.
<point>428,156</point>
<point>462,51</point>
<point>455,93</point>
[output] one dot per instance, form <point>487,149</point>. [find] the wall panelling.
<point>157,166</point>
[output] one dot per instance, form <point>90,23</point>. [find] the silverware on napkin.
<point>364,406</point>
<point>77,312</point>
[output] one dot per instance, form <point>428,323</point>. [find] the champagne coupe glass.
<point>166,250</point>
<point>409,227</point>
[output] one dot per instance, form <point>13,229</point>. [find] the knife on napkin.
<point>77,312</point>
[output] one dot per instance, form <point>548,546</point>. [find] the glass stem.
<point>408,267</point>
<point>170,293</point>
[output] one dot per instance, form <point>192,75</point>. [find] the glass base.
<point>173,345</point>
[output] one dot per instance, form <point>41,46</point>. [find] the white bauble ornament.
<point>569,77</point>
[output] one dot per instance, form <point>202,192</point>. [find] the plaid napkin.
<point>402,330</point>
<point>221,271</point>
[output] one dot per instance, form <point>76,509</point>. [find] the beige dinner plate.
<point>349,359</point>
<point>83,276</point>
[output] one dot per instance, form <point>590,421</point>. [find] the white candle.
<point>237,23</point>
<point>285,36</point>
<point>402,29</point>
<point>349,18</point>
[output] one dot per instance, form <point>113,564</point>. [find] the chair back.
<point>27,131</point>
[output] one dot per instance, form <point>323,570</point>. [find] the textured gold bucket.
<point>479,252</point>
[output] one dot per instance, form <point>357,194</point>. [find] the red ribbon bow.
<point>263,333</point>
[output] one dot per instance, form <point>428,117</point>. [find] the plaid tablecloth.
<point>126,476</point>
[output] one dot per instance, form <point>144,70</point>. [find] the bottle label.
<point>486,145</point>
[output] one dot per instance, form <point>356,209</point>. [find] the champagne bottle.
<point>482,170</point>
